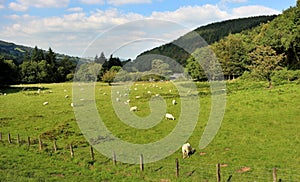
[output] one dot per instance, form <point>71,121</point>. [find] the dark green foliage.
<point>34,65</point>
<point>8,72</point>
<point>108,64</point>
<point>210,33</point>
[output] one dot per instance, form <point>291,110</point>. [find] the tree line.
<point>38,66</point>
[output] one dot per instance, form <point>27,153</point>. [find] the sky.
<point>123,28</point>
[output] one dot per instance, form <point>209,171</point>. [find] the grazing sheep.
<point>174,102</point>
<point>170,116</point>
<point>117,99</point>
<point>45,103</point>
<point>72,105</point>
<point>137,97</point>
<point>149,92</point>
<point>186,150</point>
<point>134,108</point>
<point>66,96</point>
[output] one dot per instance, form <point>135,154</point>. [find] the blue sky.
<point>73,26</point>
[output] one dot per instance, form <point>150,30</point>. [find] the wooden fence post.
<point>18,139</point>
<point>9,138</point>
<point>54,146</point>
<point>274,175</point>
<point>71,151</point>
<point>177,167</point>
<point>141,162</point>
<point>218,170</point>
<point>40,144</point>
<point>28,141</point>
<point>92,153</point>
<point>114,158</point>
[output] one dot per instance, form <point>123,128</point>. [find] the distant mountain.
<point>210,33</point>
<point>11,51</point>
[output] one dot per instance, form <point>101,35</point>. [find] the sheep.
<point>45,103</point>
<point>66,96</point>
<point>72,105</point>
<point>174,102</point>
<point>170,116</point>
<point>117,99</point>
<point>134,108</point>
<point>138,97</point>
<point>186,150</point>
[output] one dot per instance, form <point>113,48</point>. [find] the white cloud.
<point>2,2</point>
<point>23,5</point>
<point>122,2</point>
<point>233,1</point>
<point>101,2</point>
<point>193,16</point>
<point>72,33</point>
<point>247,11</point>
<point>75,9</point>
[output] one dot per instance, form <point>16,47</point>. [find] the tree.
<point>160,68</point>
<point>265,61</point>
<point>109,76</point>
<point>194,69</point>
<point>8,71</point>
<point>101,60</point>
<point>232,54</point>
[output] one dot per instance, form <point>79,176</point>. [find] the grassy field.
<point>260,131</point>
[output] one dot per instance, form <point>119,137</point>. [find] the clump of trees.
<point>260,52</point>
<point>37,66</point>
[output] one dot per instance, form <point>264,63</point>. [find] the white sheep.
<point>72,105</point>
<point>170,116</point>
<point>45,103</point>
<point>134,108</point>
<point>174,102</point>
<point>186,150</point>
<point>66,96</point>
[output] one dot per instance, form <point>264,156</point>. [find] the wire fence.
<point>177,169</point>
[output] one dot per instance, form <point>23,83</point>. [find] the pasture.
<point>260,131</point>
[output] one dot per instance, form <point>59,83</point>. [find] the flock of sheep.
<point>187,150</point>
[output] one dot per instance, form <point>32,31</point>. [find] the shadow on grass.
<point>10,89</point>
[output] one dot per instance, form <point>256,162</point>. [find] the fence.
<point>180,170</point>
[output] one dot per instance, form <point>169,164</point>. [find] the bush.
<point>285,76</point>
<point>250,76</point>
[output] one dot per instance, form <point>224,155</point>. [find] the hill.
<point>210,33</point>
<point>12,51</point>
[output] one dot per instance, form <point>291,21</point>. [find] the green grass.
<point>260,131</point>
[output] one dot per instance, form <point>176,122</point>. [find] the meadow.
<point>260,131</point>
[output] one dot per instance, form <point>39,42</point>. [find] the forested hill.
<point>210,33</point>
<point>17,53</point>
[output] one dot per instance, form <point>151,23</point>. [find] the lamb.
<point>134,108</point>
<point>186,150</point>
<point>170,116</point>
<point>174,102</point>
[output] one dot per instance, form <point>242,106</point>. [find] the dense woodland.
<point>251,48</point>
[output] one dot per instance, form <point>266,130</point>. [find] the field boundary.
<point>221,174</point>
